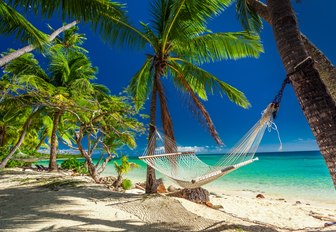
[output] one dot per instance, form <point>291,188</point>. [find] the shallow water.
<point>302,175</point>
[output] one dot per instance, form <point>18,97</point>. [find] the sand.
<point>39,201</point>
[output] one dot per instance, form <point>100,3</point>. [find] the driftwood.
<point>322,217</point>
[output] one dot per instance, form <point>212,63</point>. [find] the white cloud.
<point>197,149</point>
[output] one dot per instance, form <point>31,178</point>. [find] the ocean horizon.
<point>295,174</point>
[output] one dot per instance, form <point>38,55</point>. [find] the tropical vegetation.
<point>61,104</point>
<point>43,106</point>
<point>124,167</point>
<point>181,42</point>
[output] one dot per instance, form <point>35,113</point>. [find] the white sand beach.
<point>39,201</point>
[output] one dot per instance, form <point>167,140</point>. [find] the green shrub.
<point>126,184</point>
<point>17,164</point>
<point>74,165</point>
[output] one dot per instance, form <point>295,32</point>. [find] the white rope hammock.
<point>188,171</point>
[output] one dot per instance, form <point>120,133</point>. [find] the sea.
<point>299,175</point>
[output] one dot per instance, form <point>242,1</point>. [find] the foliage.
<point>181,42</point>
<point>124,167</point>
<point>104,16</point>
<point>74,165</point>
<point>248,18</point>
<point>17,164</point>
<point>126,184</point>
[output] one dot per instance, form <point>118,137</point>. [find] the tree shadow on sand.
<point>26,207</point>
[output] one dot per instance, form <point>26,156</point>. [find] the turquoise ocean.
<point>300,175</point>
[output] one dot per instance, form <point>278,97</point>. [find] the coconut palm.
<point>65,87</point>
<point>180,41</point>
<point>316,103</point>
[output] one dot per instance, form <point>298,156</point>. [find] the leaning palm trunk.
<point>167,122</point>
<point>53,142</point>
<point>317,105</point>
<point>2,135</point>
<point>323,65</point>
<point>8,58</point>
<point>44,136</point>
<point>150,176</point>
<point>20,141</point>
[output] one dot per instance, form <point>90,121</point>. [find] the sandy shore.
<point>38,201</point>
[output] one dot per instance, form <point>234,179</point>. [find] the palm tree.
<point>21,138</point>
<point>63,88</point>
<point>181,41</point>
<point>104,16</point>
<point>249,12</point>
<point>317,105</point>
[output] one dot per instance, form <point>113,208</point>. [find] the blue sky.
<point>259,79</point>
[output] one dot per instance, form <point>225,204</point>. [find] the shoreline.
<point>30,203</point>
<point>212,188</point>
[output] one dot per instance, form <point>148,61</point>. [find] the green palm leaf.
<point>218,46</point>
<point>104,16</point>
<point>141,84</point>
<point>248,18</point>
<point>203,82</point>
<point>12,22</point>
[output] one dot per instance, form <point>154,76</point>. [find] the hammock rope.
<point>187,170</point>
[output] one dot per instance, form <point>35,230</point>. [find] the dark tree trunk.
<point>151,177</point>
<point>2,136</point>
<point>323,65</point>
<point>317,105</point>
<point>44,136</point>
<point>117,182</point>
<point>92,169</point>
<point>197,195</point>
<point>90,166</point>
<point>167,123</point>
<point>19,142</point>
<point>53,142</point>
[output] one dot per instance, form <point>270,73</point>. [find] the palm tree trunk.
<point>20,141</point>
<point>317,105</point>
<point>44,136</point>
<point>150,176</point>
<point>167,123</point>
<point>53,142</point>
<point>2,135</point>
<point>323,65</point>
<point>168,130</point>
<point>8,58</point>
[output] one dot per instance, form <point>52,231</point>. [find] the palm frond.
<point>191,16</point>
<point>218,46</point>
<point>25,64</point>
<point>197,107</point>
<point>203,82</point>
<point>104,16</point>
<point>248,18</point>
<point>140,85</point>
<point>12,22</point>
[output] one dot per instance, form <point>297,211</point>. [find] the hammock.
<point>188,171</point>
